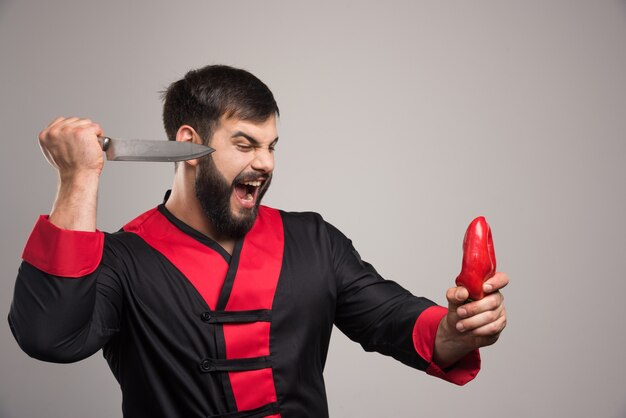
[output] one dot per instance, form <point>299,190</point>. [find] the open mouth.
<point>247,192</point>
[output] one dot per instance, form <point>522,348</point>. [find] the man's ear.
<point>187,134</point>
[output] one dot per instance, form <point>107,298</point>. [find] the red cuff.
<point>62,252</point>
<point>424,333</point>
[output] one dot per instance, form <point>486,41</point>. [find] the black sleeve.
<point>377,313</point>
<point>63,319</point>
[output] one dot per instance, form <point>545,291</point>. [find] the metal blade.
<point>148,150</point>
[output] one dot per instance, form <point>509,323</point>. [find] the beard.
<point>214,193</point>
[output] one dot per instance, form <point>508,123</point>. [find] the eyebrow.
<point>251,139</point>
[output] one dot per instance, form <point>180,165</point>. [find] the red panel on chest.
<point>201,265</point>
<point>254,288</point>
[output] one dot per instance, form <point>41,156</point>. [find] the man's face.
<point>231,182</point>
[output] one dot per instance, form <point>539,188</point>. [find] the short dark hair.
<point>203,96</point>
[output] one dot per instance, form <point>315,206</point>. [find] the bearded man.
<point>211,305</point>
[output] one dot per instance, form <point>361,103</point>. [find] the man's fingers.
<point>73,124</point>
<point>496,282</point>
<point>56,121</point>
<point>456,297</point>
<point>490,328</point>
<point>61,122</point>
<point>43,135</point>
<point>480,319</point>
<point>488,303</point>
<point>70,127</point>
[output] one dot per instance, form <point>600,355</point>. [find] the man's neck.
<point>184,205</point>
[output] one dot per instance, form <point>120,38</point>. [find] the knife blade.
<point>151,150</point>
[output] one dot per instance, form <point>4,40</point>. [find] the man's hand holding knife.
<point>75,146</point>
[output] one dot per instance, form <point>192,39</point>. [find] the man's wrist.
<point>449,347</point>
<point>76,202</point>
<point>79,177</point>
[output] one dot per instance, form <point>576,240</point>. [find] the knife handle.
<point>104,142</point>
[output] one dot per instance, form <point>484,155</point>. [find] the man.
<point>211,305</point>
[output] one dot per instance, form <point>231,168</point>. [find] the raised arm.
<point>71,146</point>
<point>68,294</point>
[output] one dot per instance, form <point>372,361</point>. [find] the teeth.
<point>253,183</point>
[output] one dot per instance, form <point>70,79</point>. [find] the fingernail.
<point>488,288</point>
<point>460,327</point>
<point>462,312</point>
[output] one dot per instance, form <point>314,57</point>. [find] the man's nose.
<point>263,160</point>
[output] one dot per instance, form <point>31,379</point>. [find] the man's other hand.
<point>470,324</point>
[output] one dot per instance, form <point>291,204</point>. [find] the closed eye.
<point>244,147</point>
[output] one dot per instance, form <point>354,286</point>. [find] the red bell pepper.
<point>479,258</point>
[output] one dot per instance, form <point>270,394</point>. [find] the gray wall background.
<point>401,121</point>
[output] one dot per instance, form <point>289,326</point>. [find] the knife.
<point>149,150</point>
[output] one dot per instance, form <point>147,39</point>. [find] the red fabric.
<point>424,333</point>
<point>253,388</point>
<point>247,340</point>
<point>62,252</point>
<point>259,264</point>
<point>203,267</point>
<point>254,287</point>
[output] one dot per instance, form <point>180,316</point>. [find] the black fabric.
<point>236,317</point>
<point>263,411</point>
<point>210,365</point>
<point>148,319</point>
<point>227,287</point>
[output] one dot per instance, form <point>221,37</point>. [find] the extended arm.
<point>383,316</point>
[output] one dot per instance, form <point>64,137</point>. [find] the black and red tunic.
<point>191,331</point>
